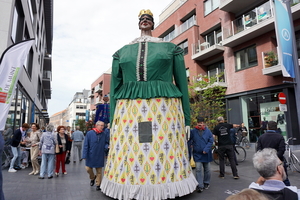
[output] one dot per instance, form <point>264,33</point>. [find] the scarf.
<point>97,131</point>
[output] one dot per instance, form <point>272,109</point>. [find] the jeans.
<point>77,146</point>
<point>17,154</point>
<point>47,162</point>
<point>200,178</point>
<point>228,150</point>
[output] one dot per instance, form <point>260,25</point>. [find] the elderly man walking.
<point>95,144</point>
<point>77,138</point>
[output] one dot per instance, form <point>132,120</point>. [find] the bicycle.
<point>243,140</point>
<point>240,153</point>
<point>292,158</point>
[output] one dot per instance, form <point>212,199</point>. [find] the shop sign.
<point>282,98</point>
<point>283,107</point>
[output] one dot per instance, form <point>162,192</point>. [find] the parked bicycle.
<point>292,160</point>
<point>242,140</point>
<point>240,153</point>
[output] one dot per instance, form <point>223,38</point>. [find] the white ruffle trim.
<point>149,192</point>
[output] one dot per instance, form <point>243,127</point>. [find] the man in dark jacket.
<point>201,140</point>
<point>15,147</point>
<point>271,139</point>
<point>95,144</point>
<point>222,130</point>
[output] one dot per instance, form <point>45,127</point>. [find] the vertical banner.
<point>11,64</point>
<point>284,36</point>
<point>87,115</point>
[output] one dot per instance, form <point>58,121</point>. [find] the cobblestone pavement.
<point>75,185</point>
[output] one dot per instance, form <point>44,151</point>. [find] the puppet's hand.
<point>188,132</point>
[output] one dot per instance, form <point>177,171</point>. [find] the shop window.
<point>184,45</point>
<point>210,5</point>
<point>246,58</point>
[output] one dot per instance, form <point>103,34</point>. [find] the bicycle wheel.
<point>240,153</point>
<point>245,143</point>
<point>295,162</point>
<point>215,156</point>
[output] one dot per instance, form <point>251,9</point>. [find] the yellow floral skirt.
<point>155,169</point>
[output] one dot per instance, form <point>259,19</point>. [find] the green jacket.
<point>149,70</point>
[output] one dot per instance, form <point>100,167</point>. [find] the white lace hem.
<point>149,192</point>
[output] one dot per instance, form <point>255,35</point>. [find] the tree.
<point>207,99</point>
<point>82,124</point>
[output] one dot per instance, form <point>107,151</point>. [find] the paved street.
<point>75,185</point>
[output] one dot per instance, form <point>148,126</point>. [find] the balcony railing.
<point>47,74</point>
<point>180,29</point>
<point>249,19</point>
<point>90,94</point>
<point>98,88</point>
<point>198,47</point>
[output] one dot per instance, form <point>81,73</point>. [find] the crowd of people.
<point>48,149</point>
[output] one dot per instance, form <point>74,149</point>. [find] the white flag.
<point>11,65</point>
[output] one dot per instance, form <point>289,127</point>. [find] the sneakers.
<point>23,166</point>
<point>199,189</point>
<point>65,173</point>
<point>98,187</point>
<point>36,173</point>
<point>56,174</point>
<point>12,170</point>
<point>206,186</point>
<point>236,177</point>
<point>222,177</point>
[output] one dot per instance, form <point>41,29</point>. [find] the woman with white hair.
<point>47,150</point>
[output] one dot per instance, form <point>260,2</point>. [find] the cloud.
<point>86,35</point>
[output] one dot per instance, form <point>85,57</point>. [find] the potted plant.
<point>270,59</point>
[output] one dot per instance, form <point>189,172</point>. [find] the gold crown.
<point>148,12</point>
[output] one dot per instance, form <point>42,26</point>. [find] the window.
<point>184,45</point>
<point>216,69</point>
<point>170,36</point>
<point>17,25</point>
<point>246,58</point>
<point>297,35</point>
<point>210,5</point>
<point>29,63</point>
<point>214,37</point>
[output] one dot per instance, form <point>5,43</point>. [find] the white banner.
<point>11,65</point>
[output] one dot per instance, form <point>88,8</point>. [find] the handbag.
<point>192,162</point>
<point>67,159</point>
<point>57,150</point>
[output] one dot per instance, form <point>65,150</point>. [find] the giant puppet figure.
<point>150,115</point>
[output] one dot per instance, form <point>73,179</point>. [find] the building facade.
<point>99,88</point>
<point>21,20</point>
<point>237,38</point>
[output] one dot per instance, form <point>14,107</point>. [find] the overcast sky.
<point>86,35</point>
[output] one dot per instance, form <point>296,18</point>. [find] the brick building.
<point>238,38</point>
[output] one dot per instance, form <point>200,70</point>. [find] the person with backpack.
<point>15,147</point>
<point>47,150</point>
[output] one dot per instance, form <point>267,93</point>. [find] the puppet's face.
<point>146,23</point>
<point>105,99</point>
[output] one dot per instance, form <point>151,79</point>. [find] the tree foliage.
<point>207,99</point>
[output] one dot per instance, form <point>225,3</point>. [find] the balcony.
<point>206,49</point>
<point>215,73</point>
<point>249,26</point>
<point>47,63</point>
<point>98,89</point>
<point>182,28</point>
<point>235,6</point>
<point>91,94</point>
<point>46,79</point>
<point>271,65</point>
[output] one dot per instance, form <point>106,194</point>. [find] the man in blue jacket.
<point>201,141</point>
<point>95,144</point>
